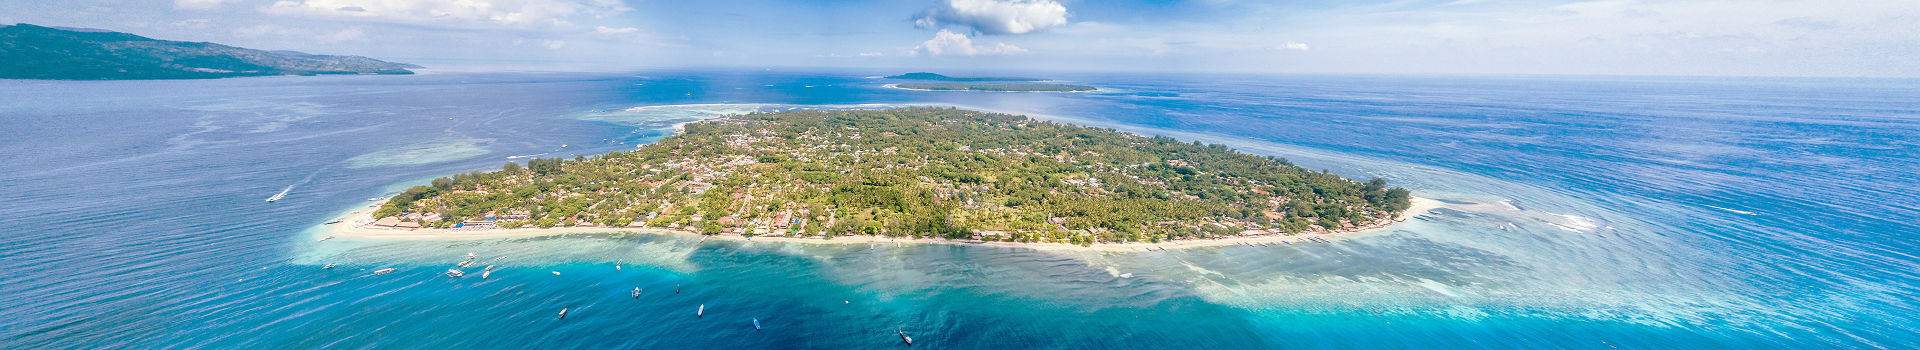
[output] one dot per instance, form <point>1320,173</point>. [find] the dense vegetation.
<point>912,172</point>
<point>35,52</point>
<point>996,87</point>
<point>932,76</point>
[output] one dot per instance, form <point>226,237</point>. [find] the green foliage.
<point>919,172</point>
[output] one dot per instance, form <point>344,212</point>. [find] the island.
<point>942,174</point>
<point>995,87</point>
<point>932,76</point>
<point>36,52</point>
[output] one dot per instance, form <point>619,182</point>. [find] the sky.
<point>1847,38</point>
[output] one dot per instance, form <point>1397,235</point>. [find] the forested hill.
<point>911,172</point>
<point>36,52</point>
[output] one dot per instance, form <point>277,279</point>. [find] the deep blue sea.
<point>1581,212</point>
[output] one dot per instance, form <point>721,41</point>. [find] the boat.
<point>455,273</point>
<point>278,196</point>
<point>756,323</point>
<point>333,222</point>
<point>904,337</point>
<point>489,268</point>
<point>485,274</point>
<point>636,292</point>
<point>616,264</point>
<point>702,312</point>
<point>384,271</point>
<point>556,273</point>
<point>328,267</point>
<point>1126,275</point>
<point>676,289</point>
<point>563,312</point>
<point>470,255</point>
<point>324,239</point>
<point>374,199</point>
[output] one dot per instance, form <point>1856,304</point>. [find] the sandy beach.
<point>355,225</point>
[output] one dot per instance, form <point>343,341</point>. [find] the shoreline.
<point>356,225</point>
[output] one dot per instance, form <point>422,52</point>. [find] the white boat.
<point>470,255</point>
<point>616,264</point>
<point>383,271</point>
<point>324,239</point>
<point>455,273</point>
<point>328,267</point>
<point>485,274</point>
<point>904,337</point>
<point>556,273</point>
<point>636,292</point>
<point>702,312</point>
<point>1126,275</point>
<point>563,312</point>
<point>489,268</point>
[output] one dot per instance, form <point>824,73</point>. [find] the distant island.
<point>932,76</point>
<point>995,87</point>
<point>933,173</point>
<point>36,52</point>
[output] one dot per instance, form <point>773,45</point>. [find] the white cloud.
<point>1293,46</point>
<point>604,30</point>
<point>995,17</point>
<point>198,4</point>
<point>871,54</point>
<point>195,23</point>
<point>354,33</point>
<point>451,12</point>
<point>553,44</point>
<point>950,43</point>
<point>262,31</point>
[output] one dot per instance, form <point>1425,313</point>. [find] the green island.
<point>909,172</point>
<point>933,76</point>
<point>995,87</point>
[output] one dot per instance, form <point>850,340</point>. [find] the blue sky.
<point>1875,38</point>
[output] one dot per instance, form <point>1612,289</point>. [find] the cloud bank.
<point>947,43</point>
<point>995,17</point>
<point>462,12</point>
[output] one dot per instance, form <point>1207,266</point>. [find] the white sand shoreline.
<point>355,225</point>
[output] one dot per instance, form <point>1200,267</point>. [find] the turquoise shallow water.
<point>1583,213</point>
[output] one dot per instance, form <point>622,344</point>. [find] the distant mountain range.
<point>35,52</point>
<point>938,77</point>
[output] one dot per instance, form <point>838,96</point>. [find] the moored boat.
<point>384,271</point>
<point>455,273</point>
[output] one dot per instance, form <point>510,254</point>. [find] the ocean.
<point>1582,212</point>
